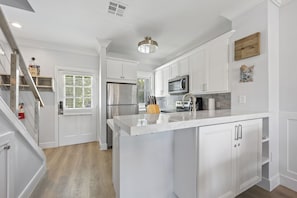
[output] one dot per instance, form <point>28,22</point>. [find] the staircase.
<point>22,161</point>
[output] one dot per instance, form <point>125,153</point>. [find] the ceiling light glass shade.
<point>147,46</point>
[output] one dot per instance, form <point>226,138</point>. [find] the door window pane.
<point>69,80</point>
<point>69,91</point>
<point>78,91</point>
<point>87,81</point>
<point>69,103</point>
<point>78,80</point>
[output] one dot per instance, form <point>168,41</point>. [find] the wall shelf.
<point>265,160</point>
<point>42,83</point>
<point>265,139</point>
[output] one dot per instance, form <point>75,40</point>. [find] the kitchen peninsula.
<point>187,154</point>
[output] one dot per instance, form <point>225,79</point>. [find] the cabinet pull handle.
<point>7,147</point>
<point>240,131</point>
<point>236,133</point>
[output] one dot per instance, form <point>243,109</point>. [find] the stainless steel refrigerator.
<point>121,100</point>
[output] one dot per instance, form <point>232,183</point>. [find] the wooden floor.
<point>78,171</point>
<point>83,171</point>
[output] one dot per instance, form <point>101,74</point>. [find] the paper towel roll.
<point>211,104</point>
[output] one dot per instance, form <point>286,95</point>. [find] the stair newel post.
<point>36,120</point>
<point>14,81</point>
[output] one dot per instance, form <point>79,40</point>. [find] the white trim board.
<point>34,181</point>
<point>288,182</point>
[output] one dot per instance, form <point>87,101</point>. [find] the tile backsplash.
<point>222,100</point>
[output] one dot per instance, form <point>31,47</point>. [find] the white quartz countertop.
<point>142,124</point>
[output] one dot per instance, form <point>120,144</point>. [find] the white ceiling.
<point>176,25</point>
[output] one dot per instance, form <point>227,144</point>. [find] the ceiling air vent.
<point>116,8</point>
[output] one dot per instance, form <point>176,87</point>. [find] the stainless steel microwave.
<point>178,85</point>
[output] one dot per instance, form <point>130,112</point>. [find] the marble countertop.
<point>142,124</point>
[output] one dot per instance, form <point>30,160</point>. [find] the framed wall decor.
<point>247,47</point>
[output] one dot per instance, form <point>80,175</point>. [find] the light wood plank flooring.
<point>78,171</point>
<point>83,171</point>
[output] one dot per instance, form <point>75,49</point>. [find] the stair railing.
<point>17,61</point>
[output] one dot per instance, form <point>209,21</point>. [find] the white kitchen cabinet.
<point>218,65</point>
<point>166,77</point>
<point>121,71</point>
<point>6,165</point>
<point>198,71</point>
<point>183,66</point>
<point>209,67</point>
<point>161,82</point>
<point>129,71</point>
<point>179,68</point>
<point>229,158</point>
<point>174,70</point>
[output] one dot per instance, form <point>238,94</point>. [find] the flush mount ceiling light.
<point>147,46</point>
<point>16,25</point>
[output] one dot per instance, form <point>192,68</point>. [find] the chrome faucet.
<point>193,98</point>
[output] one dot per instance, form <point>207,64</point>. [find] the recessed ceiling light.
<point>16,25</point>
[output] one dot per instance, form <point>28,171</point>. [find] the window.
<point>143,91</point>
<point>78,91</point>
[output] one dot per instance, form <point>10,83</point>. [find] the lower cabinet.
<point>229,158</point>
<point>6,165</point>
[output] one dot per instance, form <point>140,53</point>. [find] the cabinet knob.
<point>235,145</point>
<point>238,144</point>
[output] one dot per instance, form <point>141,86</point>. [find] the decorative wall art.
<point>247,47</point>
<point>246,73</point>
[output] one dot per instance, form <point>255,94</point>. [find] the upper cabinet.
<point>179,68</point>
<point>121,70</point>
<point>207,67</point>
<point>198,71</point>
<point>161,82</point>
<point>218,65</point>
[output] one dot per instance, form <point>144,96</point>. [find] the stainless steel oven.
<point>179,85</point>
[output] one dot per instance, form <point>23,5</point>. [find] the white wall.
<point>261,94</point>
<point>48,61</point>
<point>256,92</point>
<point>288,95</point>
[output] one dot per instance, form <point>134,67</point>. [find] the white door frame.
<point>95,96</point>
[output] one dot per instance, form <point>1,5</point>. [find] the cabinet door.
<point>249,156</point>
<point>129,71</point>
<point>198,73</point>
<point>159,83</point>
<point>6,165</point>
<point>174,70</point>
<point>166,76</point>
<point>218,65</point>
<point>183,67</point>
<point>114,69</point>
<point>216,164</point>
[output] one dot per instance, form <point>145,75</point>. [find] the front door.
<point>76,107</point>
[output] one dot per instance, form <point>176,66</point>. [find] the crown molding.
<point>280,3</point>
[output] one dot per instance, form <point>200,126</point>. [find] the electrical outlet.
<point>242,99</point>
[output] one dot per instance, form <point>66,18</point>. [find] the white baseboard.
<point>48,145</point>
<point>269,184</point>
<point>34,181</point>
<point>103,146</point>
<point>288,182</point>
